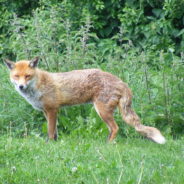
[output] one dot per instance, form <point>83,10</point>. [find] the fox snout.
<point>22,87</point>
<point>21,82</point>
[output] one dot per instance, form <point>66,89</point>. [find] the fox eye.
<point>16,76</point>
<point>28,76</point>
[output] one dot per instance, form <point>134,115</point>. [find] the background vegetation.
<point>139,41</point>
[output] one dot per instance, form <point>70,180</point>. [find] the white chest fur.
<point>32,96</point>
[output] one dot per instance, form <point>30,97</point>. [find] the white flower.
<point>74,169</point>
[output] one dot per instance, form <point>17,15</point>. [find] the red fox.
<point>47,92</point>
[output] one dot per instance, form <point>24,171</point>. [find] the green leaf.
<point>180,33</point>
<point>157,12</point>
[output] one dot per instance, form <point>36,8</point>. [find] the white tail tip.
<point>159,139</point>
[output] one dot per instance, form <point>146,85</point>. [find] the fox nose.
<point>21,87</point>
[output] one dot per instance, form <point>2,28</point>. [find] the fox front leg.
<point>51,116</point>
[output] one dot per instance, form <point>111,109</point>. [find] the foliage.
<point>139,41</point>
<point>156,24</point>
<point>151,25</point>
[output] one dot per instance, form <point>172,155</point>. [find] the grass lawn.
<point>79,161</point>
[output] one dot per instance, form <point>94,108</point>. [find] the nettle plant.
<point>51,37</point>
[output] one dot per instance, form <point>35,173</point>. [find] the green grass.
<point>77,160</point>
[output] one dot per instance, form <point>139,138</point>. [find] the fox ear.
<point>9,64</point>
<point>34,62</point>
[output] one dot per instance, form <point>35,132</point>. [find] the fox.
<point>47,92</point>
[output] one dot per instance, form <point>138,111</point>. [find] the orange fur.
<point>49,91</point>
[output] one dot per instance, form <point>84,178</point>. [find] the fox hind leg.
<point>106,113</point>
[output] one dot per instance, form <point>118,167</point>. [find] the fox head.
<point>22,73</point>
